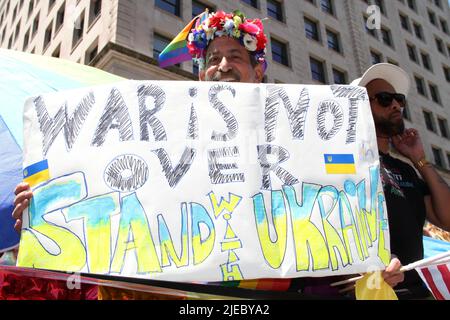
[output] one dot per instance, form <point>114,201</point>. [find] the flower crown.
<point>250,34</point>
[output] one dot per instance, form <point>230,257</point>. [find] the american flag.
<point>437,279</point>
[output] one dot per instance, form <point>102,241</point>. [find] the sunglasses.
<point>385,99</point>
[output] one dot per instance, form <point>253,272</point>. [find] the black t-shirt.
<point>404,192</point>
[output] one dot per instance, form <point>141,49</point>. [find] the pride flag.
<point>340,164</point>
<point>177,51</point>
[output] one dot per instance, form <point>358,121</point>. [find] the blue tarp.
<point>10,176</point>
<point>433,247</point>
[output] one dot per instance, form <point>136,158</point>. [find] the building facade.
<point>309,41</point>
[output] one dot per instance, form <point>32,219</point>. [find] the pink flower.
<point>249,28</point>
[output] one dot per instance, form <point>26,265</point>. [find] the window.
<point>198,8</point>
<point>386,36</point>
<point>446,73</point>
<point>437,153</point>
<point>333,41</point>
<point>404,22</point>
<point>380,4</point>
<point>279,52</point>
<point>444,26</point>
<point>35,26</point>
<point>91,53</point>
<point>434,92</point>
<point>440,45</point>
<point>406,113</point>
<point>51,3</point>
<point>48,35</point>
<point>327,6</point>
<point>26,40</point>
<point>432,17</point>
<point>429,121</point>
<point>412,53</point>
<point>420,86</point>
<point>275,9</point>
<point>78,30</point>
<point>418,31</point>
<point>376,57</point>
<point>253,3</point>
<point>426,61</point>
<point>171,6</point>
<point>339,77</point>
<point>311,30</point>
<point>57,52</point>
<point>443,126</point>
<point>317,70</point>
<point>60,18</point>
<point>159,44</point>
<point>195,69</point>
<point>370,30</point>
<point>95,10</point>
<point>30,7</point>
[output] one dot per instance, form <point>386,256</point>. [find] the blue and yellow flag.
<point>340,164</point>
<point>36,173</point>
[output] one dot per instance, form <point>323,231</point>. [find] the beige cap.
<point>396,76</point>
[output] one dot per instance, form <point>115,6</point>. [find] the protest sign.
<point>202,181</point>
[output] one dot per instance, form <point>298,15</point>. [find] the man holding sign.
<point>228,48</point>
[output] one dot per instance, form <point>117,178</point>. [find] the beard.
<point>219,76</point>
<point>390,127</point>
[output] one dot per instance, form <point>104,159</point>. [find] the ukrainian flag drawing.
<point>36,173</point>
<point>340,164</point>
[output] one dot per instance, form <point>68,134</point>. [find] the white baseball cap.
<point>396,76</point>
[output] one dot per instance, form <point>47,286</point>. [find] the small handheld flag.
<point>177,51</point>
<point>437,279</point>
<point>340,164</point>
<point>36,173</point>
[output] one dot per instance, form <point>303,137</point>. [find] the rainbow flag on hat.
<point>177,51</point>
<point>36,173</point>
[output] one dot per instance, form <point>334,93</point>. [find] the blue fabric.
<point>10,176</point>
<point>20,81</point>
<point>432,247</point>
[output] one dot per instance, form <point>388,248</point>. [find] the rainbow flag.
<point>177,51</point>
<point>36,173</point>
<point>279,285</point>
<point>340,164</point>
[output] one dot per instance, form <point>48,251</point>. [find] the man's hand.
<point>21,202</point>
<point>409,145</point>
<point>392,274</point>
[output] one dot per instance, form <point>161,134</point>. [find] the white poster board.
<point>201,181</point>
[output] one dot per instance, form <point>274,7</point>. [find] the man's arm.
<point>438,203</point>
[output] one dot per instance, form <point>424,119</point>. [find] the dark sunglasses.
<point>385,99</point>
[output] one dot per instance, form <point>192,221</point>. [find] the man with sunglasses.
<point>410,199</point>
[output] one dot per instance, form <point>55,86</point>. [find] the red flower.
<point>217,20</point>
<point>262,40</point>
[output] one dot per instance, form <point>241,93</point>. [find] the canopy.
<point>23,75</point>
